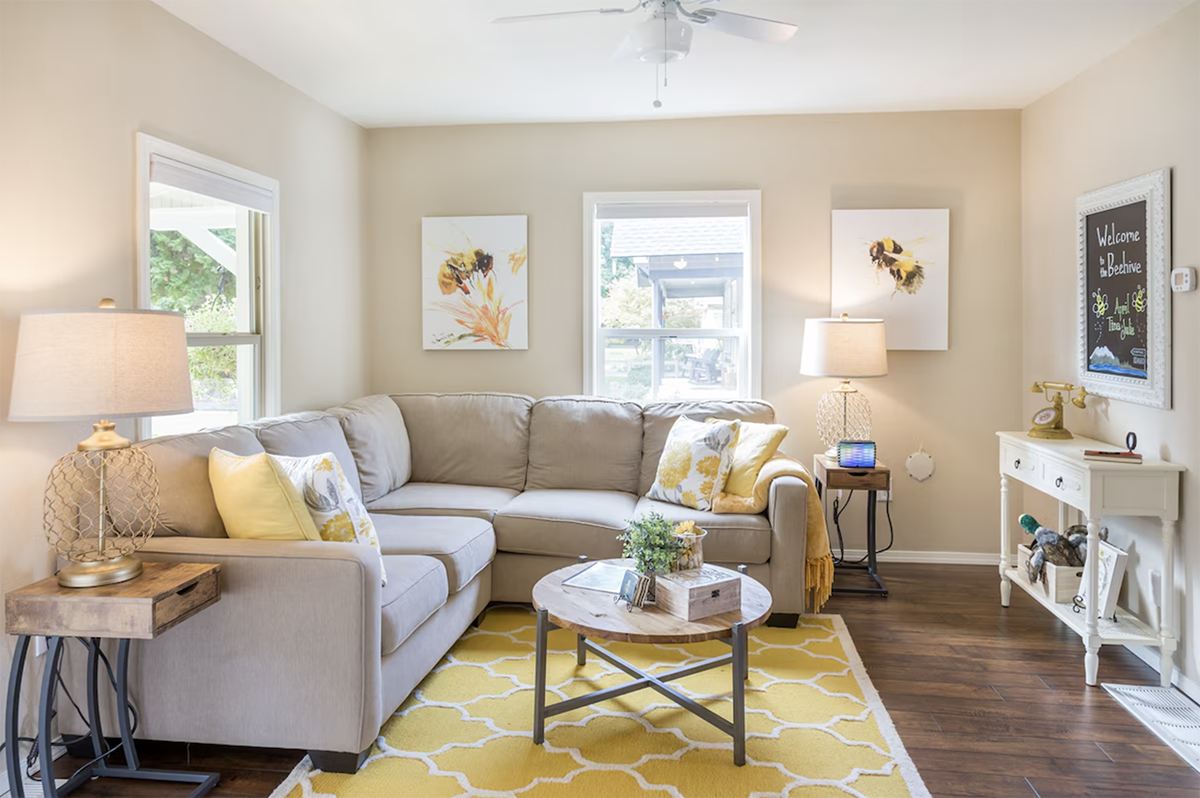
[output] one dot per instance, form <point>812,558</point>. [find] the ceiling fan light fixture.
<point>661,40</point>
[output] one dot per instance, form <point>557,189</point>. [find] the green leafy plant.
<point>651,543</point>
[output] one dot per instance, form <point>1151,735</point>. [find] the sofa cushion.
<point>659,417</point>
<point>428,498</point>
<point>303,434</point>
<point>256,498</point>
<point>730,539</point>
<point>468,438</point>
<point>375,431</point>
<point>565,522</point>
<point>585,443</point>
<point>185,498</point>
<point>695,462</point>
<point>416,589</point>
<point>464,546</point>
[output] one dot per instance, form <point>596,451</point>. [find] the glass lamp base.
<point>93,573</point>
<point>843,416</point>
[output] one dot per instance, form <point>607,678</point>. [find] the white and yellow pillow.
<point>335,509</point>
<point>270,497</point>
<point>755,445</point>
<point>256,499</point>
<point>695,462</point>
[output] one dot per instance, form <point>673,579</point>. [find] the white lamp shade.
<point>844,348</point>
<point>74,365</point>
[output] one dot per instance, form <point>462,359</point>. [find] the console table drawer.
<point>1019,462</point>
<point>1062,481</point>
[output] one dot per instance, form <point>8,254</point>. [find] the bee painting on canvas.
<point>891,256</point>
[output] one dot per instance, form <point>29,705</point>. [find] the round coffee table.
<point>594,614</point>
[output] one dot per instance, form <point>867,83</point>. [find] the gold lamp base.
<point>94,573</point>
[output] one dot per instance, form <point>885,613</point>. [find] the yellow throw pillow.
<point>332,503</point>
<point>256,499</point>
<point>695,462</point>
<point>755,445</point>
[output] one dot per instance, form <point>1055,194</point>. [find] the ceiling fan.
<point>665,35</point>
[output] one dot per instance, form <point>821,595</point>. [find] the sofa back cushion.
<point>468,438</point>
<point>308,433</point>
<point>185,498</point>
<point>378,437</point>
<point>659,417</point>
<point>584,443</point>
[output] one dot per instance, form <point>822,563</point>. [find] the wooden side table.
<point>164,595</point>
<point>831,475</point>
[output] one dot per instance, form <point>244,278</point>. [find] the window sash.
<point>606,206</point>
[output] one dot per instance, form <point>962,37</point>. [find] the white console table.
<point>1096,489</point>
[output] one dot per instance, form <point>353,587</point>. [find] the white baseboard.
<point>931,557</point>
<point>1178,679</point>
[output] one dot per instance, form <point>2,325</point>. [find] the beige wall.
<point>77,80</point>
<point>1136,112</point>
<point>952,402</point>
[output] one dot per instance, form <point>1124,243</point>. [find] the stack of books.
<point>1111,457</point>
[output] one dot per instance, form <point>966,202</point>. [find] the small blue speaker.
<point>856,454</point>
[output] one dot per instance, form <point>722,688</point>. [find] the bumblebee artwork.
<point>889,255</point>
<point>460,267</point>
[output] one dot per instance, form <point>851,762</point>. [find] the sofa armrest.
<point>787,510</point>
<point>289,657</point>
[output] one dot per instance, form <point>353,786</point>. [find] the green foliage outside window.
<point>186,280</point>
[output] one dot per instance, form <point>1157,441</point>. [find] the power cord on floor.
<point>838,509</point>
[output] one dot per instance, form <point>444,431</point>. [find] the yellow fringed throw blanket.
<point>818,567</point>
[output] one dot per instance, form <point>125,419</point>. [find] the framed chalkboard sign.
<point>1124,232</point>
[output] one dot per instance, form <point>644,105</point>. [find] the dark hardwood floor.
<point>989,701</point>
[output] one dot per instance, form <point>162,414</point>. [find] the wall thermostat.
<point>919,465</point>
<point>1183,279</point>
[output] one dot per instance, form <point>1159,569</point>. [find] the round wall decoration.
<point>919,465</point>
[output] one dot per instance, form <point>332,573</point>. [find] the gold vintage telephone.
<point>1048,422</point>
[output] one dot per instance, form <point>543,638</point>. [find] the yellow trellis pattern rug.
<point>815,726</point>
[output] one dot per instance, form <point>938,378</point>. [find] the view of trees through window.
<point>183,278</point>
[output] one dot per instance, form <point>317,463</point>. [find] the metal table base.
<point>738,658</point>
<point>99,767</point>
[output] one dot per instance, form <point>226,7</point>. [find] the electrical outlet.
<point>884,495</point>
<point>39,645</point>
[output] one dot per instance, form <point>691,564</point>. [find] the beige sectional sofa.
<point>474,497</point>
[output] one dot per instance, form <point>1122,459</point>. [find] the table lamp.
<point>101,502</point>
<point>844,348</point>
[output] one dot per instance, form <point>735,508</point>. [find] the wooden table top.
<point>593,613</point>
<point>162,596</point>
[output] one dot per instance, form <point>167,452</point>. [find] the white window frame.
<point>267,294</point>
<point>750,356</point>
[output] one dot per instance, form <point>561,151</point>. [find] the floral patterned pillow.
<point>695,462</point>
<point>335,509</point>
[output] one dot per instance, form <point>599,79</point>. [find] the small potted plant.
<point>651,543</point>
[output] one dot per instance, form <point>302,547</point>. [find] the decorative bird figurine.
<point>1050,547</point>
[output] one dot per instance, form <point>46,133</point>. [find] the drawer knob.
<point>1058,482</point>
<point>1017,463</point>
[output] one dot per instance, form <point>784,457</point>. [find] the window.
<point>207,248</point>
<point>672,295</point>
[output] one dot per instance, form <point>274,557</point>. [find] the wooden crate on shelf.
<point>1059,583</point>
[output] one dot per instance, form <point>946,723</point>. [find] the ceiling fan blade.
<point>756,28</point>
<point>557,14</point>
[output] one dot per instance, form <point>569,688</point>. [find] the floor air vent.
<point>1166,712</point>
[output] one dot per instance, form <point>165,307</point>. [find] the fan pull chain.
<point>657,102</point>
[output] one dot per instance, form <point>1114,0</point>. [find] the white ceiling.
<point>429,62</point>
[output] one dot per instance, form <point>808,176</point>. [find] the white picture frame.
<point>475,282</point>
<point>894,265</point>
<point>1111,572</point>
<point>1123,234</point>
